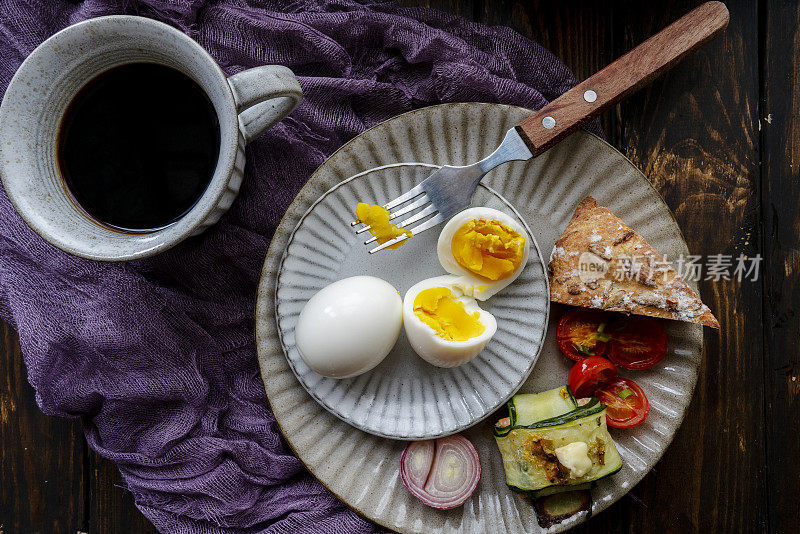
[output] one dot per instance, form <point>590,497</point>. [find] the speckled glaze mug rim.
<point>170,235</point>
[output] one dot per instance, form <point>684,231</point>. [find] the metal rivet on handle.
<point>590,96</point>
<point>549,122</point>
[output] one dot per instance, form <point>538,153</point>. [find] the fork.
<point>449,189</point>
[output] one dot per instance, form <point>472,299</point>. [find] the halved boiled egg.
<point>485,248</point>
<point>444,326</point>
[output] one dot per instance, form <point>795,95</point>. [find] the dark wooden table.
<point>719,137</point>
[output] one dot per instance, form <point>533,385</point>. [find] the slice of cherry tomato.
<point>626,403</point>
<point>581,333</point>
<point>636,342</point>
<point>589,374</point>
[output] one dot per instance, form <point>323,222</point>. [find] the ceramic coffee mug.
<point>246,104</point>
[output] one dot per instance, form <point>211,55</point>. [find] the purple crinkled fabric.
<point>157,356</point>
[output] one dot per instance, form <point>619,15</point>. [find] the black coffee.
<point>138,145</point>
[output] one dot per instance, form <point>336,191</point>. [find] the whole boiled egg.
<point>349,326</point>
<point>445,326</point>
<point>485,248</point>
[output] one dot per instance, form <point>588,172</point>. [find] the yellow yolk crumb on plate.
<point>488,248</point>
<point>438,308</point>
<point>377,218</point>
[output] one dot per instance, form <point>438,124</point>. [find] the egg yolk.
<point>488,248</point>
<point>377,218</point>
<point>438,308</point>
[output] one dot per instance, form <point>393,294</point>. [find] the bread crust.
<point>598,262</point>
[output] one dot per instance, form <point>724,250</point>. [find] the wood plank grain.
<point>42,486</point>
<point>111,505</point>
<point>780,179</point>
<point>629,73</point>
<point>577,31</point>
<point>694,133</point>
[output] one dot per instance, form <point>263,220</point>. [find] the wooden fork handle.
<point>631,72</point>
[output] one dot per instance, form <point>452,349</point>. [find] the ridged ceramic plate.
<point>405,397</point>
<point>362,469</point>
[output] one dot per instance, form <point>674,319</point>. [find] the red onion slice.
<point>441,473</point>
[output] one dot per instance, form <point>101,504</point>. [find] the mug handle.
<point>263,97</point>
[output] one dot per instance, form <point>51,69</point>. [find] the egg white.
<point>471,284</point>
<point>437,350</point>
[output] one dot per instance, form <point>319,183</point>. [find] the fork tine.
<point>405,197</point>
<point>402,199</point>
<point>414,218</point>
<point>421,215</point>
<point>421,201</point>
<point>387,244</point>
<point>430,223</point>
